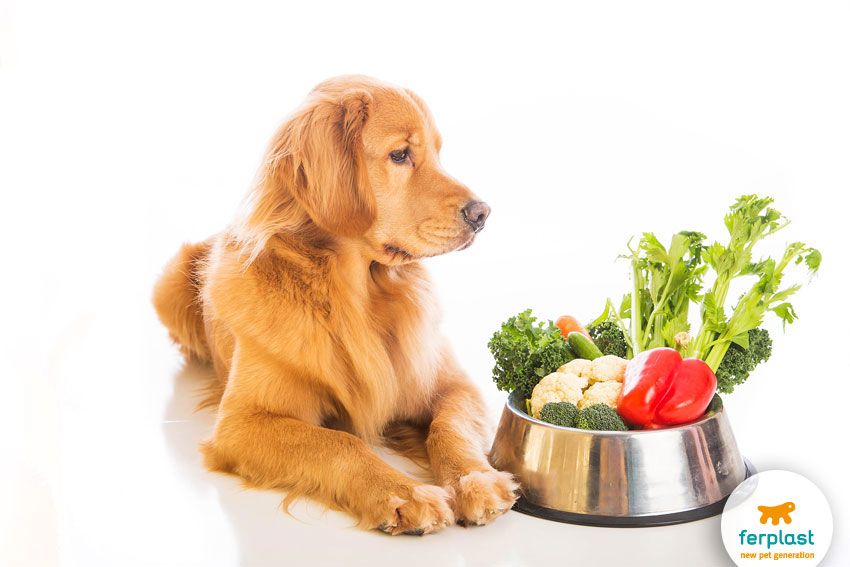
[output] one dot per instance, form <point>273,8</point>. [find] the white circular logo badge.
<point>776,515</point>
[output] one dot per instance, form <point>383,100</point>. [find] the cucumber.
<point>583,346</point>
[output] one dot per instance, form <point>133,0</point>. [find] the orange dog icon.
<point>775,513</point>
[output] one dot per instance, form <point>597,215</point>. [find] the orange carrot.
<point>568,324</point>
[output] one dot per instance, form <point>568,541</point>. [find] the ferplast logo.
<point>775,514</point>
<point>756,523</point>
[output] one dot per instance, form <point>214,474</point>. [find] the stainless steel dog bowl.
<point>619,478</point>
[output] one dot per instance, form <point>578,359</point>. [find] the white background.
<point>128,128</point>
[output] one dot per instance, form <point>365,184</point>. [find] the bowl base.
<point>525,507</point>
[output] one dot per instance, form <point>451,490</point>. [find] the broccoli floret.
<point>559,413</point>
<point>738,362</point>
<point>599,417</point>
<point>525,352</point>
<point>610,339</point>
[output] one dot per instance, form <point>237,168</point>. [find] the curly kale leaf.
<point>740,360</point>
<point>525,352</point>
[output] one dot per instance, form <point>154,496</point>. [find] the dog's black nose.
<point>475,214</point>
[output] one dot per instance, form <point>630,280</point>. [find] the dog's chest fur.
<point>404,355</point>
<point>357,345</point>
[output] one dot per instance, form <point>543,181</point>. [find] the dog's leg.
<point>275,451</point>
<point>455,447</point>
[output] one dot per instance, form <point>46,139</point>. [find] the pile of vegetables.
<point>669,376</point>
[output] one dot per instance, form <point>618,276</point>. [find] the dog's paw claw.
<point>484,496</point>
<point>427,510</point>
<point>387,528</point>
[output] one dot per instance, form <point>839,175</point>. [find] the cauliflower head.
<point>580,367</point>
<point>556,387</point>
<point>607,368</point>
<point>601,393</point>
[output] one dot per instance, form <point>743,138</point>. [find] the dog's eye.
<point>399,156</point>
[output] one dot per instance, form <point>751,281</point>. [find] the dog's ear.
<point>319,155</point>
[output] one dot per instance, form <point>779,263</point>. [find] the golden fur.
<point>320,323</point>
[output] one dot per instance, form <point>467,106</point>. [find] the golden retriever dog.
<point>317,315</point>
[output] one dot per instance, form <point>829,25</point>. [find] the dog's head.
<point>362,159</point>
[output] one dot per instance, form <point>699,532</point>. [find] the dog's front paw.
<point>427,509</point>
<point>483,496</point>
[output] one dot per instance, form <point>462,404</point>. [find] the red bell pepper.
<point>661,389</point>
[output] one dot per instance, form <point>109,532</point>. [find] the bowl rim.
<point>522,415</point>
